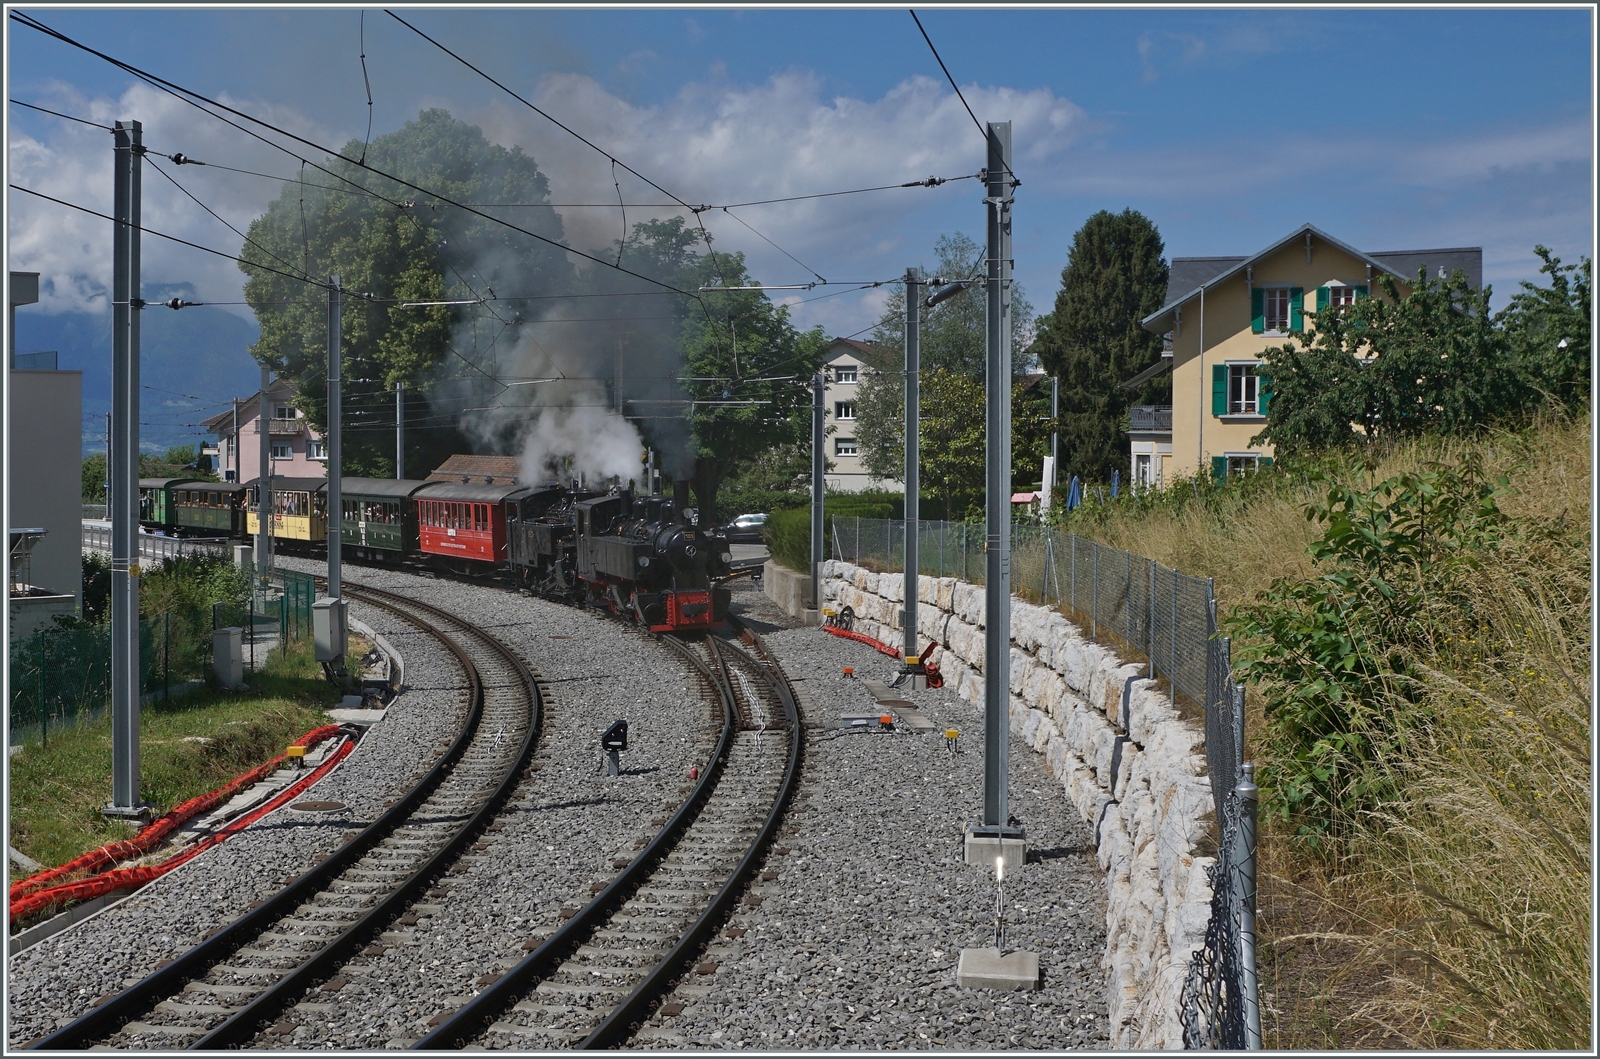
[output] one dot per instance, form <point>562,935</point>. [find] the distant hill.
<point>202,351</point>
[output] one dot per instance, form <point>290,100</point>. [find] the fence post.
<point>1248,794</point>
<point>1094,589</point>
<point>1172,672</point>
<point>166,655</point>
<point>44,717</point>
<point>1072,574</point>
<point>1150,633</point>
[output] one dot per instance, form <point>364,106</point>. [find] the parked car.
<point>746,529</point>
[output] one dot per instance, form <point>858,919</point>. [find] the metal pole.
<point>909,640</point>
<point>233,442</point>
<point>264,481</point>
<point>1248,795</point>
<point>335,494</point>
<point>818,387</point>
<point>399,430</point>
<point>123,470</point>
<point>997,485</point>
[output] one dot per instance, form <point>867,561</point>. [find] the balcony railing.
<point>1150,417</point>
<point>284,426</point>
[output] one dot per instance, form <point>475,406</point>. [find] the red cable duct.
<point>99,860</point>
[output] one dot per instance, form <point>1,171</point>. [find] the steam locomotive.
<point>643,557</point>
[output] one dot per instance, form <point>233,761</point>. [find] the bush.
<point>788,532</point>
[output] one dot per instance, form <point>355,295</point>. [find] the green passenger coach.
<point>377,519</point>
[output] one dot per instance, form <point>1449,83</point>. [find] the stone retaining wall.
<point>1133,768</point>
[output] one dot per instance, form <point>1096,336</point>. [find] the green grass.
<point>56,792</point>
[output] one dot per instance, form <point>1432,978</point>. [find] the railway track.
<point>595,980</point>
<point>221,992</point>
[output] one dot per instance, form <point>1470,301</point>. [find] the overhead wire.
<point>58,114</point>
<point>249,241</point>
<point>976,123</point>
<point>174,89</point>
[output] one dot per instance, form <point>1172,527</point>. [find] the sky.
<point>1390,129</point>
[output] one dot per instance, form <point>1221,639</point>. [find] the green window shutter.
<point>1265,461</point>
<point>1263,394</point>
<point>1322,298</point>
<point>1219,389</point>
<point>1258,310</point>
<point>1361,292</point>
<point>1297,306</point>
<point>1219,469</point>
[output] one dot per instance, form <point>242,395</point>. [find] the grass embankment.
<point>1441,897</point>
<point>189,746</point>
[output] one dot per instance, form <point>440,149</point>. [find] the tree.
<point>1115,276</point>
<point>94,478</point>
<point>742,364</point>
<point>1391,367</point>
<point>953,351</point>
<point>1547,329</point>
<point>421,250</point>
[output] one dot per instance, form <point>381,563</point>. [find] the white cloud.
<point>72,251</point>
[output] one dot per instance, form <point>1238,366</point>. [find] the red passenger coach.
<point>464,521</point>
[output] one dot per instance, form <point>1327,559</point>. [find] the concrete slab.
<point>981,850</point>
<point>359,717</point>
<point>993,969</point>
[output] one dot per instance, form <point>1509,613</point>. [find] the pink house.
<point>297,451</point>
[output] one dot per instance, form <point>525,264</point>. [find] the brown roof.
<point>484,470</point>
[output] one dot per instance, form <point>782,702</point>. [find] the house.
<point>297,451</point>
<point>1223,313</point>
<point>846,362</point>
<point>44,420</point>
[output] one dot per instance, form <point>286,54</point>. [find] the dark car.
<point>746,529</point>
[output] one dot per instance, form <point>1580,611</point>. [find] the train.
<point>643,557</point>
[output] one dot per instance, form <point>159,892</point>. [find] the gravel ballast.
<point>855,942</point>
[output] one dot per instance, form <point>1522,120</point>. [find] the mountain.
<point>192,363</point>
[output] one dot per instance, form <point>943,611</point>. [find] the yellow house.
<point>1222,313</point>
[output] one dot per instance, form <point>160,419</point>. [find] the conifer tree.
<point>1116,275</point>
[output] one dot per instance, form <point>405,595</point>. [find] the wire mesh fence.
<point>1168,620</point>
<point>61,676</point>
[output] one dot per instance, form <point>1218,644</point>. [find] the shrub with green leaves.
<point>1335,653</point>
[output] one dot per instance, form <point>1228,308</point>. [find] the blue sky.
<point>1392,129</point>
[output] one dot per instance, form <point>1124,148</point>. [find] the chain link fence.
<point>1168,620</point>
<point>62,676</point>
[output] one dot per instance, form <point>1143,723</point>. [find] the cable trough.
<point>222,992</point>
<point>597,979</point>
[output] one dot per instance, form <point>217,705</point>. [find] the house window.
<point>283,411</point>
<point>844,410</point>
<point>1341,296</point>
<point>1243,389</point>
<point>282,450</point>
<point>1239,466</point>
<point>844,374</point>
<point>316,450</point>
<point>844,446</point>
<point>1276,308</point>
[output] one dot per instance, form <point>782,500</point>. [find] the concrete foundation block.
<point>994,969</point>
<point>982,850</point>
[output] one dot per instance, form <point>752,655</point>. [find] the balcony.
<point>1150,418</point>
<point>285,426</point>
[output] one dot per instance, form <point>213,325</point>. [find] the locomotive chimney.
<point>680,493</point>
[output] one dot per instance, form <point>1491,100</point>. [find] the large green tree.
<point>1383,368</point>
<point>391,244</point>
<point>744,367</point>
<point>1116,275</point>
<point>1547,329</point>
<point>952,351</point>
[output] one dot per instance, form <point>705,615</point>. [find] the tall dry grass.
<point>1457,916</point>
